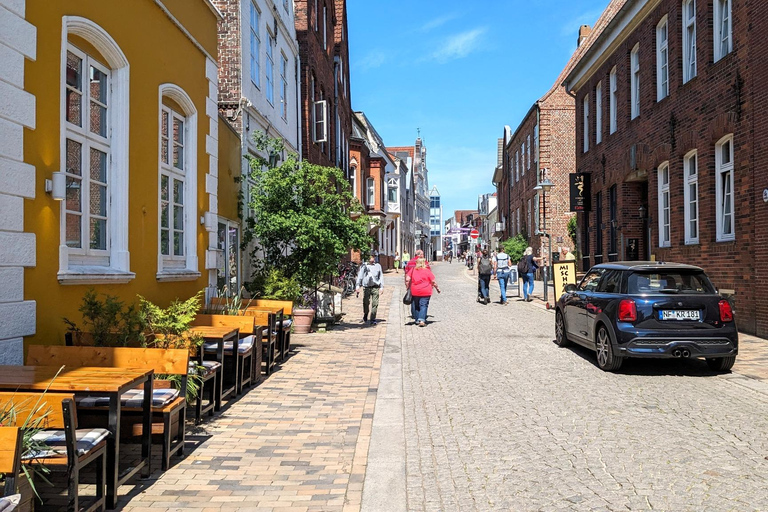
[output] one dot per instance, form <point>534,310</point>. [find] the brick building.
<point>542,147</point>
<point>326,112</point>
<point>669,139</point>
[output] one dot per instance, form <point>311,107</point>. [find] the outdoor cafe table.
<point>93,381</point>
<point>221,335</point>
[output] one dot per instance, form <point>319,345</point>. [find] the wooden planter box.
<point>28,497</point>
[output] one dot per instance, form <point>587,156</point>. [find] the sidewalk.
<point>752,361</point>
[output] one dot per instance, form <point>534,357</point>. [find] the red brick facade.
<point>321,29</point>
<point>230,61</point>
<point>721,100</point>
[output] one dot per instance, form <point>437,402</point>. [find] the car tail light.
<point>726,313</point>
<point>628,311</point>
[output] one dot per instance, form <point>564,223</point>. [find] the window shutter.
<point>321,121</point>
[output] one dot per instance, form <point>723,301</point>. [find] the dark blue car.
<point>647,309</point>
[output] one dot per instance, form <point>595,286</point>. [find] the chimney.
<point>584,32</point>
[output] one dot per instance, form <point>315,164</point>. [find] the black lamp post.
<point>545,186</point>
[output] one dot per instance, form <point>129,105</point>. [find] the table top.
<point>83,379</point>
<point>209,331</point>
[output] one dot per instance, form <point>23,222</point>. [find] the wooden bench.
<point>10,457</point>
<point>169,406</point>
<point>285,323</point>
<point>249,345</point>
<point>62,446</point>
<point>269,346</point>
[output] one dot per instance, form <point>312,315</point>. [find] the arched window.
<point>177,198</point>
<point>94,156</point>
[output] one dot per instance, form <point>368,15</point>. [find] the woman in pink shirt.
<point>421,281</point>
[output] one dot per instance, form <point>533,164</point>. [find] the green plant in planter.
<point>108,320</point>
<point>305,217</point>
<point>169,329</point>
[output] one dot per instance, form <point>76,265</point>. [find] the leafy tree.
<point>572,226</point>
<point>515,246</point>
<point>305,216</point>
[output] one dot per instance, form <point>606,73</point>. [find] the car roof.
<point>647,266</point>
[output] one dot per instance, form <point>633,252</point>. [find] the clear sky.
<point>458,71</point>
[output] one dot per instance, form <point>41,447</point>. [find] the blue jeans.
<point>484,281</point>
<point>419,307</point>
<point>527,285</point>
<point>503,277</point>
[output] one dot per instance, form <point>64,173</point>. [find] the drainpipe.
<point>298,107</point>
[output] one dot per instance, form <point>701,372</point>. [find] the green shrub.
<point>109,321</point>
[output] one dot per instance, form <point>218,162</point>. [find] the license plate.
<point>680,314</point>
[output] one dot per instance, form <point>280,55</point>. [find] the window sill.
<point>173,275</point>
<point>94,275</point>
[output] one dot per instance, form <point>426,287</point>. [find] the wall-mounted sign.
<point>633,249</point>
<point>580,191</point>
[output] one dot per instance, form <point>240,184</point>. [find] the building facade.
<point>670,141</point>
<point>403,159</point>
<point>436,223</point>
<point>121,160</point>
<point>486,203</point>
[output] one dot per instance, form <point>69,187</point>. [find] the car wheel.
<point>561,335</point>
<point>606,359</point>
<point>721,364</point>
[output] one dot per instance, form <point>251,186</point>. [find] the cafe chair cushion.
<point>87,439</point>
<point>205,369</point>
<point>287,323</point>
<point>245,345</point>
<point>131,398</point>
<point>8,503</point>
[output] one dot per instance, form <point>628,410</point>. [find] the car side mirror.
<point>570,288</point>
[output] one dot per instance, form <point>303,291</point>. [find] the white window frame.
<point>585,128</point>
<point>634,79</point>
<point>227,254</point>
<point>723,22</point>
<point>325,27</point>
<point>662,59</point>
<point>665,207</point>
<point>691,197</point>
<point>724,176</point>
<point>689,41</point>
<point>283,87</point>
<point>612,101</point>
<point>269,69</point>
<point>172,267</point>
<point>522,159</point>
<point>255,44</point>
<point>370,192</point>
<point>528,145</point>
<point>114,266</point>
<point>517,166</point>
<point>320,121</point>
<point>599,113</point>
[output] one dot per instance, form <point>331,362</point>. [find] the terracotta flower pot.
<point>302,320</point>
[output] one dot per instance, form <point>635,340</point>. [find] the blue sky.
<point>458,71</point>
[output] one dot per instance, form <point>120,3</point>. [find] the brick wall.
<point>230,60</point>
<point>695,116</point>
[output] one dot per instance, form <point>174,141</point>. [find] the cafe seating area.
<point>85,404</point>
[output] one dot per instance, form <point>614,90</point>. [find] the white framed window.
<point>517,223</point>
<point>269,70</point>
<point>370,192</point>
<point>517,166</point>
<point>664,206</point>
<point>662,59</point>
<point>317,17</point>
<point>528,145</point>
<point>320,122</point>
<point>585,131</point>
<point>536,143</point>
<point>177,185</point>
<point>228,268</point>
<point>599,113</point>
<point>255,46</point>
<point>722,29</point>
<point>530,214</point>
<point>522,159</point>
<point>726,228</point>
<point>612,101</point>
<point>325,27</point>
<point>689,39</point>
<point>634,59</point>
<point>94,127</point>
<point>283,87</point>
<point>691,197</point>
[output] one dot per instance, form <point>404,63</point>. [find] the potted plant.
<point>107,322</point>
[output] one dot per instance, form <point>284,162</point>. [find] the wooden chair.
<point>169,405</point>
<point>286,323</point>
<point>248,350</point>
<point>269,346</point>
<point>10,457</point>
<point>64,447</point>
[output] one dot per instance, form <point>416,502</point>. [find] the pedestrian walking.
<point>370,279</point>
<point>421,280</point>
<point>501,266</point>
<point>397,262</point>
<point>412,263</point>
<point>406,258</point>
<point>526,267</point>
<point>484,271</point>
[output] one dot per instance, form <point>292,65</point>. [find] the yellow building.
<point>124,146</point>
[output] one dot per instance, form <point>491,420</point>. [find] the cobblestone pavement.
<point>497,417</point>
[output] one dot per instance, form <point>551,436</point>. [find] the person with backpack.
<point>526,267</point>
<point>501,266</point>
<point>370,279</point>
<point>484,271</point>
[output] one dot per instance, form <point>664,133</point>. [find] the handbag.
<point>407,298</point>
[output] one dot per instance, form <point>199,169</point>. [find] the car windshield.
<point>669,281</point>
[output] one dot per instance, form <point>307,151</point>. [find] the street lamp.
<point>545,186</point>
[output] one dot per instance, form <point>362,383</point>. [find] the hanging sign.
<point>581,195</point>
